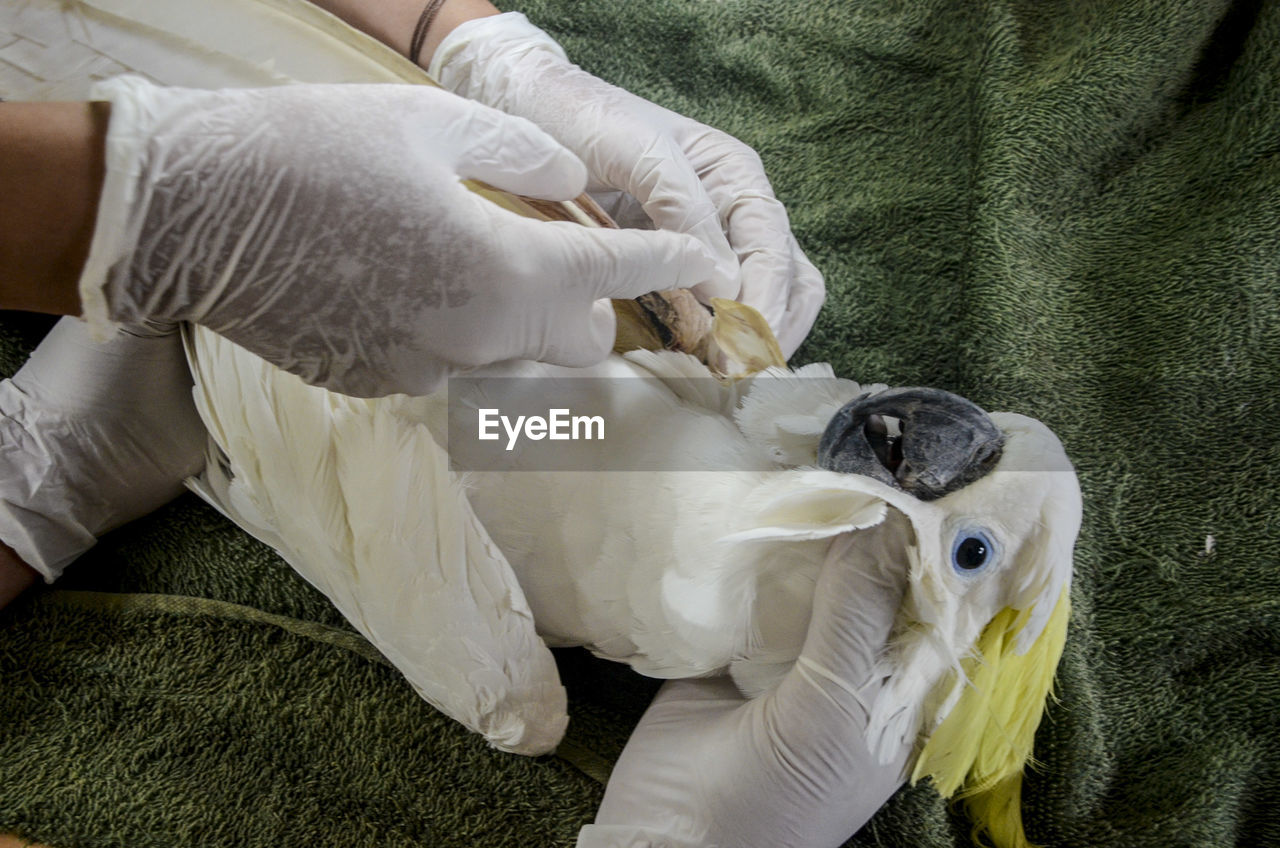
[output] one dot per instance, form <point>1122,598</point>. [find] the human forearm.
<point>393,21</point>
<point>51,172</point>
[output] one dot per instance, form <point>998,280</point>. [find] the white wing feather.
<point>398,551</point>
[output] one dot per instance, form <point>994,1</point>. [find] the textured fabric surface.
<point>1066,209</point>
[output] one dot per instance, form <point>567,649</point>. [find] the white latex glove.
<point>325,229</point>
<point>689,177</point>
<point>93,435</point>
<point>707,768</point>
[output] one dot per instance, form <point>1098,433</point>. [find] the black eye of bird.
<point>972,552</point>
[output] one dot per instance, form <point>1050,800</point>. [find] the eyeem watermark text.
<point>558,425</point>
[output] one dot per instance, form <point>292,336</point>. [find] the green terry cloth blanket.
<point>1068,209</point>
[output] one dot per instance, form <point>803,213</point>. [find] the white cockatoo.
<point>693,550</point>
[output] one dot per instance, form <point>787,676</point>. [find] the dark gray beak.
<point>944,442</point>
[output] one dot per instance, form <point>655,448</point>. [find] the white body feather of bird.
<point>702,569</point>
<point>460,578</point>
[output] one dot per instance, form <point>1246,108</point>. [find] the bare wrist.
<point>449,16</point>
<point>393,22</point>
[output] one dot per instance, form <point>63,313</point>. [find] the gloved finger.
<point>863,580</point>
<point>579,344</point>
<point>777,278</point>
<point>760,233</point>
<point>707,767</point>
<point>623,264</point>
<point>513,154</point>
<point>807,294</point>
<point>672,195</point>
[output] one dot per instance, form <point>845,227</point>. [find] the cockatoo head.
<point>992,509</point>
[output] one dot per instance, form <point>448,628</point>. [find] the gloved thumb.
<point>512,154</point>
<point>856,602</point>
<point>580,346</point>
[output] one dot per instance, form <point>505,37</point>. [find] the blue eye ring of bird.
<point>974,550</point>
<point>946,441</point>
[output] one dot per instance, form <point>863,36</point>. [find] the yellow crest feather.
<point>982,746</point>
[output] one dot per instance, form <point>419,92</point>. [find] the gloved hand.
<point>93,435</point>
<point>707,768</point>
<point>325,229</point>
<point>689,177</point>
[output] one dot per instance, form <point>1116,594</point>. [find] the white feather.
<point>360,501</point>
<point>683,571</point>
<point>786,411</point>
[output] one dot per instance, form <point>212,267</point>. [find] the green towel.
<point>1066,209</point>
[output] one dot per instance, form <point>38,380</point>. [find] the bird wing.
<point>361,502</point>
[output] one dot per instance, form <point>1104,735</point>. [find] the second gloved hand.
<point>93,435</point>
<point>707,768</point>
<point>326,229</point>
<point>689,177</point>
